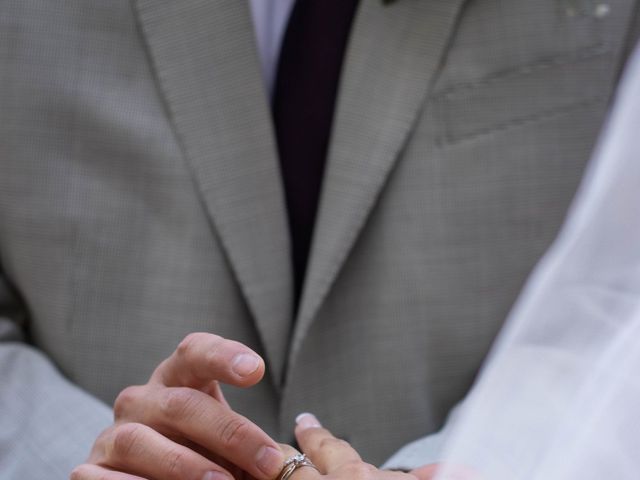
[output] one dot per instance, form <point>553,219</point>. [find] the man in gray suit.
<point>141,200</point>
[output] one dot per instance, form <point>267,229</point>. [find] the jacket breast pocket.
<point>521,95</point>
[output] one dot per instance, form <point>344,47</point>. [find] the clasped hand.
<point>178,426</point>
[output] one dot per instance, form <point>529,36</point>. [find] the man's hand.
<point>179,426</point>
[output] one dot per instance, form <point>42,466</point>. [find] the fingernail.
<point>269,461</point>
<point>307,420</point>
<point>213,475</point>
<point>244,364</point>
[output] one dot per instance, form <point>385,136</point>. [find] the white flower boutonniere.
<point>585,8</point>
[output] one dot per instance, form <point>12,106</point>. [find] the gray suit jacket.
<point>140,200</point>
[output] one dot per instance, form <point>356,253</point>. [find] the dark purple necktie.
<point>303,105</point>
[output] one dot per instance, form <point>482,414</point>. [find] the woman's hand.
<point>334,458</point>
<point>337,460</point>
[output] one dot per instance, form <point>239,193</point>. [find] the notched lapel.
<point>393,57</point>
<point>206,63</point>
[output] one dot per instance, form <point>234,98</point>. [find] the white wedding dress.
<point>559,397</point>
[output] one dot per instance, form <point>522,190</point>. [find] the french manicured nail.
<point>269,461</point>
<point>213,475</point>
<point>244,364</point>
<point>307,420</point>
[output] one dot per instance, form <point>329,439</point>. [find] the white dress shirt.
<point>270,21</point>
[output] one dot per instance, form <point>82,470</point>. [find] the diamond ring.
<point>294,463</point>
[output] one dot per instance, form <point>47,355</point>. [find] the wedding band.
<point>293,463</point>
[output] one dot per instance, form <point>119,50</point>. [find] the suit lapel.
<point>393,57</point>
<point>208,71</point>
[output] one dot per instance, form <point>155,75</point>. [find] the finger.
<point>302,473</point>
<point>137,449</point>
<point>203,357</point>
<point>193,415</point>
<point>327,452</point>
<point>95,472</point>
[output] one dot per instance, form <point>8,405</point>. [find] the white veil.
<point>559,397</point>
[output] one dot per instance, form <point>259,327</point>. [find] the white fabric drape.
<point>559,397</point>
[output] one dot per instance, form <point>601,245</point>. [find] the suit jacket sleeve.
<point>48,424</point>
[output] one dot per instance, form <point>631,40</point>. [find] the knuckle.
<point>86,472</point>
<point>78,473</point>
<point>101,444</point>
<point>179,404</point>
<point>176,464</point>
<point>124,441</point>
<point>188,344</point>
<point>125,401</point>
<point>358,470</point>
<point>214,357</point>
<point>329,443</point>
<point>192,341</point>
<point>342,444</point>
<point>233,432</point>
